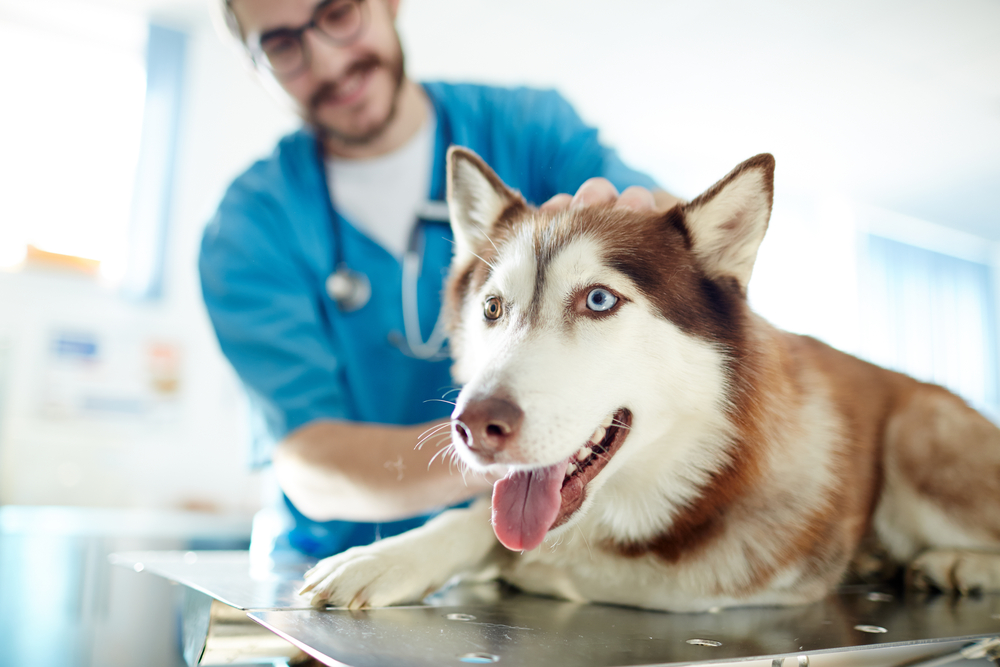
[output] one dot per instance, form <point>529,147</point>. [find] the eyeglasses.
<point>284,52</point>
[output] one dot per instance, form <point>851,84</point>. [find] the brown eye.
<point>493,308</point>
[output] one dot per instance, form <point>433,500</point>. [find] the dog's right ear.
<point>477,199</point>
<point>727,222</point>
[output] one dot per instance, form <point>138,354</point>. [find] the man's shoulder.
<point>270,193</point>
<point>503,125</point>
<point>294,154</point>
<point>476,97</point>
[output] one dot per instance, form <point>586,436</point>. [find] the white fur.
<point>568,372</point>
<point>728,228</point>
<point>451,544</point>
<point>670,380</point>
<point>473,208</point>
<point>673,384</point>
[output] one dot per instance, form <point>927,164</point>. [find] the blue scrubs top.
<point>268,251</point>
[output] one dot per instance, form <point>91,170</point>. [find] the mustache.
<point>329,88</point>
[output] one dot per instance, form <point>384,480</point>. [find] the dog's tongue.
<point>525,505</point>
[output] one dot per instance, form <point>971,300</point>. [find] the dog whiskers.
<point>440,400</point>
<point>489,264</point>
<point>492,266</point>
<point>492,243</point>
<point>439,452</point>
<point>436,427</point>
<point>462,465</point>
<point>585,541</point>
<point>430,433</point>
<point>601,456</point>
<point>427,436</point>
<point>446,439</point>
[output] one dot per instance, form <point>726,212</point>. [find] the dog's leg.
<point>942,483</point>
<point>956,570</point>
<point>407,567</point>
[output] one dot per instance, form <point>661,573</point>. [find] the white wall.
<point>197,458</point>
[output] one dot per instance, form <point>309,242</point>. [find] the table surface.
<point>481,623</point>
<point>227,576</point>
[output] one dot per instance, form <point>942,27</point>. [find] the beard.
<point>367,65</point>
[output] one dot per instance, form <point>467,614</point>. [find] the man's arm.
<point>265,312</point>
<point>368,472</point>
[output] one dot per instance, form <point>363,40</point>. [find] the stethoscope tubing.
<point>430,212</point>
<point>351,289</point>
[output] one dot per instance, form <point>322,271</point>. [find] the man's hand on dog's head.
<point>601,191</point>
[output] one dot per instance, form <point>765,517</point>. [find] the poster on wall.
<point>88,375</point>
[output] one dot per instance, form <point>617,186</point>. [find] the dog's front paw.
<point>955,570</point>
<point>376,575</point>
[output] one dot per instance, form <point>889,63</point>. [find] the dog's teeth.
<point>598,435</point>
<point>584,453</point>
<point>570,469</point>
<point>607,420</point>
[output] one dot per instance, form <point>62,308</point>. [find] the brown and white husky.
<point>662,445</point>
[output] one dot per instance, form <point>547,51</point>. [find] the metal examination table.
<point>237,612</point>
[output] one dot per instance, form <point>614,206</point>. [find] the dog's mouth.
<point>529,503</point>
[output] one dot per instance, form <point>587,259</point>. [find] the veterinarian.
<point>316,251</point>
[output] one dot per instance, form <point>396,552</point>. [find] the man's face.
<point>348,91</point>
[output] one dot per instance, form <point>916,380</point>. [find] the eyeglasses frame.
<point>260,59</point>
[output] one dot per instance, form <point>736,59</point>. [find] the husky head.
<point>594,344</point>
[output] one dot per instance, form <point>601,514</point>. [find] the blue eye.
<point>600,300</point>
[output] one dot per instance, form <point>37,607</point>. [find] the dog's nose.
<point>487,425</point>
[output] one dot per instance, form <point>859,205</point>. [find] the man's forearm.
<point>368,472</point>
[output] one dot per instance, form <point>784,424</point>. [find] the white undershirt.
<point>381,195</point>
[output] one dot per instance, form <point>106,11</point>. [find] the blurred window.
<point>87,134</point>
<point>933,316</point>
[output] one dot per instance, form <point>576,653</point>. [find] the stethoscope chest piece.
<point>350,290</point>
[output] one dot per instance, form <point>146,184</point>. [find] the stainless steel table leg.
<point>216,634</point>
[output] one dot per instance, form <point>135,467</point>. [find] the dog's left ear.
<point>477,199</point>
<point>728,221</point>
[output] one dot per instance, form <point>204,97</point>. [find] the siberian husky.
<point>662,445</point>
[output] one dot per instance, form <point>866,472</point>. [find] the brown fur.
<point>926,430</point>
<point>809,459</point>
<point>930,437</point>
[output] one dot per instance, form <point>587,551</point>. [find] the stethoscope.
<point>351,290</point>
